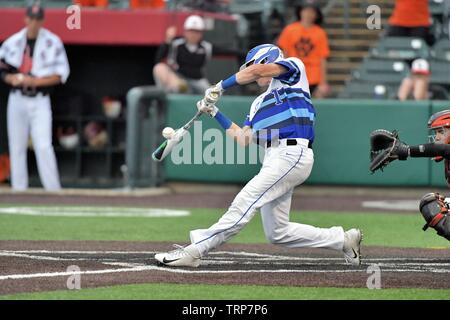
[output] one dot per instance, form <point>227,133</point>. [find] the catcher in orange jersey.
<point>386,147</point>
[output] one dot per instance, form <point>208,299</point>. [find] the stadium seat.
<point>13,3</point>
<point>438,7</point>
<point>57,3</point>
<point>400,48</point>
<point>245,6</point>
<point>436,29</point>
<point>366,90</point>
<point>384,71</point>
<point>119,4</point>
<point>24,3</point>
<point>441,50</point>
<point>438,92</point>
<point>440,72</point>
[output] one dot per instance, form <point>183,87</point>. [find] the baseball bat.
<point>166,147</point>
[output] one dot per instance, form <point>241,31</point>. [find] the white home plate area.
<point>219,262</point>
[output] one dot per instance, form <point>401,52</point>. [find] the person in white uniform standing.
<point>282,119</point>
<point>32,61</point>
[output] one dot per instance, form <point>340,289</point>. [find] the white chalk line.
<point>184,271</point>
<point>66,274</point>
<point>77,252</point>
<point>317,262</point>
<point>258,258</point>
<point>212,255</point>
<point>136,267</point>
<point>34,257</point>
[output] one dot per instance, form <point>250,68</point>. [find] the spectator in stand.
<point>154,4</point>
<point>92,3</point>
<point>306,40</point>
<point>186,57</point>
<point>411,18</point>
<point>417,83</point>
<point>180,62</point>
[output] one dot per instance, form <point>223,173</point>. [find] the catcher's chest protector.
<point>436,215</point>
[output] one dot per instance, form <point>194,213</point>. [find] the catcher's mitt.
<point>385,147</point>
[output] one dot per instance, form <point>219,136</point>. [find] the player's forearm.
<point>429,150</point>
<point>47,81</point>
<point>241,135</point>
<point>251,74</point>
<point>257,71</point>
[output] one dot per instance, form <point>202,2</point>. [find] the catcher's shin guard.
<point>434,209</point>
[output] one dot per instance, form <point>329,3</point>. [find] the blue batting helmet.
<point>264,53</point>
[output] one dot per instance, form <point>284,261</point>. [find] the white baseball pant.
<point>25,116</point>
<point>284,167</point>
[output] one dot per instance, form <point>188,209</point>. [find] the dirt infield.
<point>300,201</point>
<point>33,266</point>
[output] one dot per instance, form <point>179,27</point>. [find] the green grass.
<point>393,230</point>
<point>387,229</point>
<point>231,292</point>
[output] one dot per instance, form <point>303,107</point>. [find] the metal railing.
<point>145,119</point>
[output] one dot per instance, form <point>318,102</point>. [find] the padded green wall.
<point>341,147</point>
<point>180,109</point>
<point>342,142</point>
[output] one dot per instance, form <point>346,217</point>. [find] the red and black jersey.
<point>434,150</point>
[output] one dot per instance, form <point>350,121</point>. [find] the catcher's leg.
<point>434,209</point>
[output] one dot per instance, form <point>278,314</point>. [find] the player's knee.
<point>160,69</point>
<point>434,210</point>
<point>276,236</point>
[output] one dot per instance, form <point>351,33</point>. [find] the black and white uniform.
<point>29,111</point>
<point>433,150</point>
<point>188,61</point>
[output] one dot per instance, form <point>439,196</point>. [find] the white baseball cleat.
<point>352,246</point>
<point>180,257</point>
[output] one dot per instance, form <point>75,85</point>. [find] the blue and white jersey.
<point>285,109</point>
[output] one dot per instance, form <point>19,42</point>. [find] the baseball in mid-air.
<point>168,132</point>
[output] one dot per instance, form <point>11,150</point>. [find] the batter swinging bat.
<point>166,147</point>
